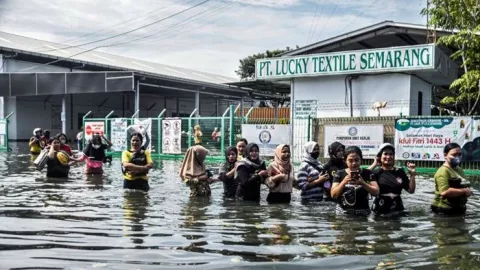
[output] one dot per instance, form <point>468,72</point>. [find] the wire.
<point>330,16</point>
<point>133,30</point>
<point>313,21</point>
<point>111,27</point>
<point>316,21</point>
<point>354,19</point>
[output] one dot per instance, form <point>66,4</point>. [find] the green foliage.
<point>246,69</point>
<point>462,17</point>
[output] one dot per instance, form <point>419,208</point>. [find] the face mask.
<point>454,162</point>
<point>63,141</point>
<point>96,146</point>
<point>315,155</point>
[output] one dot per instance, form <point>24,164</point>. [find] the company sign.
<point>362,61</point>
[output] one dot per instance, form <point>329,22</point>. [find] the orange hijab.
<point>278,164</point>
<point>192,166</point>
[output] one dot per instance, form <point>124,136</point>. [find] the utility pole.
<point>431,30</point>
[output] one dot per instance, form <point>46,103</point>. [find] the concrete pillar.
<point>197,103</point>
<point>63,115</point>
<point>137,99</point>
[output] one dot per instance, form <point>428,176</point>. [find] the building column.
<point>63,115</point>
<point>137,99</point>
<point>197,103</point>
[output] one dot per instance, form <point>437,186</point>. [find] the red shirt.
<point>66,148</point>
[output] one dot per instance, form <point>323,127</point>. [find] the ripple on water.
<point>91,222</point>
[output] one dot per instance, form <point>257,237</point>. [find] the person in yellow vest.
<point>136,163</point>
<point>197,135</point>
<point>36,144</point>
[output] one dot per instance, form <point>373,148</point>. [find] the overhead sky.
<point>211,37</point>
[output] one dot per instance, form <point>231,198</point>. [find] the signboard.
<point>349,62</point>
<point>171,136</point>
<point>145,128</point>
<point>94,127</point>
<point>268,137</point>
<point>425,138</point>
<point>118,135</point>
<point>367,137</point>
<point>305,108</point>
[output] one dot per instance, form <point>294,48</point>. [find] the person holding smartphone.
<point>391,181</point>
<point>352,185</point>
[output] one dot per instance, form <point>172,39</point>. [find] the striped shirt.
<point>305,172</point>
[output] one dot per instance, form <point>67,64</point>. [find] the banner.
<point>425,138</point>
<point>143,127</point>
<point>367,137</point>
<point>118,134</point>
<point>94,127</point>
<point>171,136</point>
<point>471,149</point>
<point>268,137</point>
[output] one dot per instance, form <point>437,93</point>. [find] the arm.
<point>33,140</point>
<point>243,176</point>
<point>374,164</point>
<point>371,187</point>
<point>108,142</point>
<point>446,191</point>
<point>130,166</point>
<point>51,153</point>
<point>411,183</point>
<point>337,186</point>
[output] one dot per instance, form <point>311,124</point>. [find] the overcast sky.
<point>211,37</point>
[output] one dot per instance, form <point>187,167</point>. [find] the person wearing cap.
<point>391,181</point>
<point>335,163</point>
<point>36,143</point>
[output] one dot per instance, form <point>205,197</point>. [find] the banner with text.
<point>362,61</point>
<point>305,108</point>
<point>425,138</point>
<point>118,134</point>
<point>367,137</point>
<point>268,137</point>
<point>171,136</point>
<point>143,127</point>
<point>94,127</point>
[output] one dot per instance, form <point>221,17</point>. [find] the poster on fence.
<point>94,127</point>
<point>118,134</point>
<point>145,128</point>
<point>425,138</point>
<point>171,136</point>
<point>268,137</point>
<point>367,137</point>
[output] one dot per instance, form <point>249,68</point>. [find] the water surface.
<point>91,222</point>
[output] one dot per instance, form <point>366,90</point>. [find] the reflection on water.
<point>89,221</point>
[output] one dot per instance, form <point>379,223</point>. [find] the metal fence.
<point>4,133</point>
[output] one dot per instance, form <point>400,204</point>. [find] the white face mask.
<point>96,146</point>
<point>63,141</point>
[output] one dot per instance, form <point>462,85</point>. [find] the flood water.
<point>86,222</point>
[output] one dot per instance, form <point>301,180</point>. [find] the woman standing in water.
<point>227,173</point>
<point>251,174</point>
<point>335,163</point>
<point>58,163</point>
<point>241,144</point>
<point>391,181</point>
<point>352,185</point>
<point>193,172</point>
<point>310,177</point>
<point>136,163</point>
<point>36,144</point>
<point>63,144</point>
<point>281,177</point>
<point>94,154</point>
<point>451,188</point>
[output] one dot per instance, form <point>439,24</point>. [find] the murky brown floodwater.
<point>86,222</point>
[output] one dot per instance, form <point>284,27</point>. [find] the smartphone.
<point>355,174</point>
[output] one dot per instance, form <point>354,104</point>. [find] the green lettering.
<point>389,59</point>
<point>278,71</point>
<point>329,66</point>
<point>315,60</point>
<point>352,65</point>
<point>416,55</point>
<point>363,61</point>
<point>290,62</point>
<point>371,57</point>
<point>398,62</point>
<point>284,67</point>
<point>406,58</point>
<point>380,57</point>
<point>321,65</point>
<point>425,53</point>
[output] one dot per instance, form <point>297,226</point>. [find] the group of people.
<point>59,156</point>
<point>341,180</point>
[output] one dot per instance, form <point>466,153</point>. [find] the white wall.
<point>329,91</point>
<point>418,85</point>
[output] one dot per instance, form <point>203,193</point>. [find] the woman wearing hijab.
<point>281,177</point>
<point>335,163</point>
<point>311,175</point>
<point>250,174</point>
<point>193,172</point>
<point>227,173</point>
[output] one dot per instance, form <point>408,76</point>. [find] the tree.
<point>246,69</point>
<point>462,18</point>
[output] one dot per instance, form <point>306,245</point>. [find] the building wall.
<point>417,85</point>
<point>398,90</point>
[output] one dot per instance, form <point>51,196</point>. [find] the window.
<point>420,103</point>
